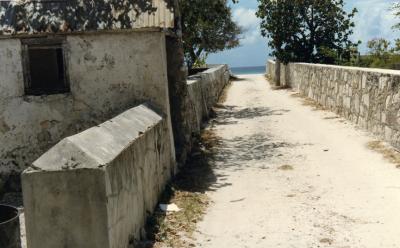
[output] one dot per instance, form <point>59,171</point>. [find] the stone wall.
<point>199,94</point>
<point>96,188</point>
<point>284,74</point>
<point>108,74</point>
<point>270,70</point>
<point>368,97</point>
<point>204,90</point>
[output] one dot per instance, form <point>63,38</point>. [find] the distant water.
<point>248,70</point>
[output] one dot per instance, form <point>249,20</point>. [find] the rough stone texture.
<point>108,73</point>
<point>95,189</point>
<point>205,89</point>
<point>368,97</point>
<point>270,69</point>
<point>284,74</point>
<point>31,17</point>
<point>199,106</point>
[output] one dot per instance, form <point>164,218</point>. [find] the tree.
<point>396,48</point>
<point>207,27</point>
<point>314,31</point>
<point>396,12</point>
<point>382,54</point>
<point>379,48</point>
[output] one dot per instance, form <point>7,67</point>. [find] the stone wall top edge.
<point>98,146</point>
<point>351,68</point>
<point>191,81</point>
<point>361,69</point>
<point>214,68</point>
<point>197,77</point>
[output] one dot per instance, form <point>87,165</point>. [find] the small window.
<point>44,67</point>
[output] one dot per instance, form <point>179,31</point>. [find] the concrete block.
<point>95,189</point>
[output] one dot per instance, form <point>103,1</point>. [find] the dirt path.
<point>289,176</point>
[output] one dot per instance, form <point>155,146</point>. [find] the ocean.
<point>248,70</point>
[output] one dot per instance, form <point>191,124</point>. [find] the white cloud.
<point>374,20</point>
<point>247,19</point>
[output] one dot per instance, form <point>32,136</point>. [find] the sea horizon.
<point>241,70</point>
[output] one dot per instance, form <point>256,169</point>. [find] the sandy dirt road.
<point>288,176</point>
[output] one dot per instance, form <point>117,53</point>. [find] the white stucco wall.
<point>108,73</point>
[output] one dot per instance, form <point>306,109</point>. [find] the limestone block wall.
<point>271,69</point>
<point>368,97</point>
<point>108,73</point>
<point>204,90</point>
<point>96,188</point>
<point>284,74</point>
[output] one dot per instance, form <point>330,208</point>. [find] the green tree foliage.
<point>379,48</point>
<point>314,31</point>
<point>396,12</point>
<point>207,27</point>
<point>381,54</point>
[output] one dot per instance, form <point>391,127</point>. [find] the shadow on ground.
<point>187,190</point>
<point>235,153</point>
<point>198,176</point>
<point>224,112</point>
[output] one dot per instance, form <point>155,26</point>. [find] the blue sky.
<point>374,20</point>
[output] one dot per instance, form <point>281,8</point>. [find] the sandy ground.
<point>288,176</point>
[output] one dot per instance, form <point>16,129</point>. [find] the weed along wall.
<point>368,97</point>
<point>96,188</point>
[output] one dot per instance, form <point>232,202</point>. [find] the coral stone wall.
<point>205,89</point>
<point>368,97</point>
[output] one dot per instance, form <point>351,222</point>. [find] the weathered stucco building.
<point>66,66</point>
<point>88,90</point>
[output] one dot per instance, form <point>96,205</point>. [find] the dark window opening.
<point>45,71</point>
